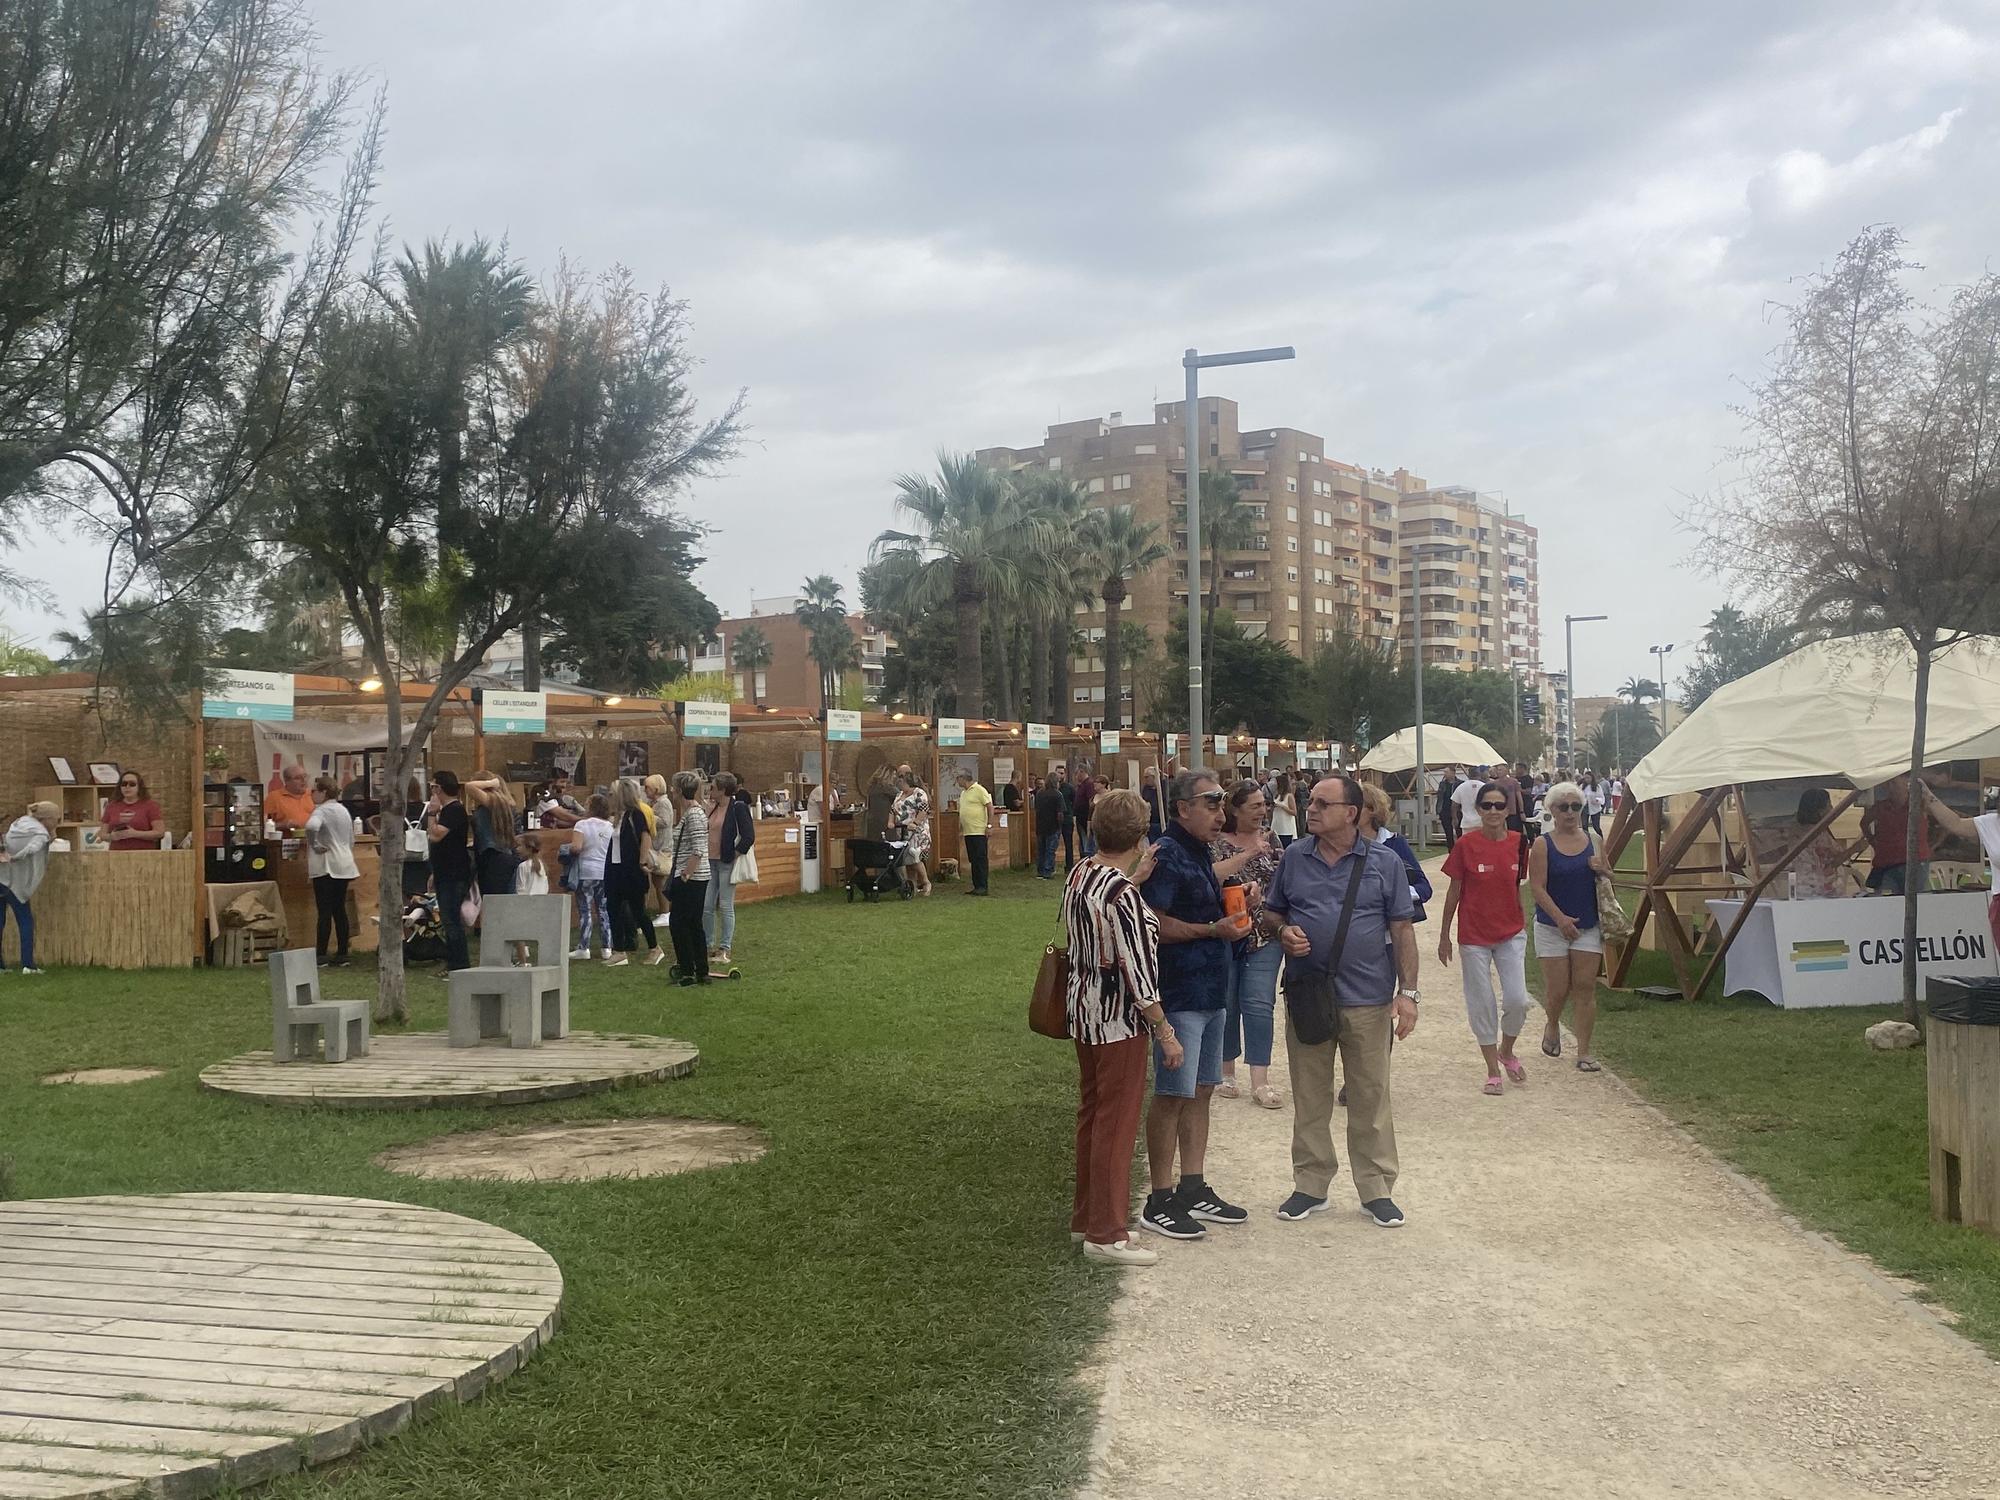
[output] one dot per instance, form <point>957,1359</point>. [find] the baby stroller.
<point>872,866</point>
<point>423,932</point>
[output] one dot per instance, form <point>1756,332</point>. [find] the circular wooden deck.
<point>419,1071</point>
<point>179,1343</point>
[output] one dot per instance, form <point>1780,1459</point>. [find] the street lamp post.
<point>1660,654</point>
<point>1569,671</point>
<point>1194,363</point>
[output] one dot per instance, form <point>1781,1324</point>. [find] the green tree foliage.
<point>641,615</point>
<point>1734,645</point>
<point>1355,688</point>
<point>1118,548</point>
<point>919,671</point>
<point>822,610</point>
<point>1259,687</point>
<point>18,659</point>
<point>495,449</point>
<point>751,654</point>
<point>1626,733</point>
<point>157,316</point>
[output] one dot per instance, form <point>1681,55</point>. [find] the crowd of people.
<point>1186,907</point>
<point>682,841</point>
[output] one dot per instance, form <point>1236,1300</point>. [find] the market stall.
<point>1718,805</point>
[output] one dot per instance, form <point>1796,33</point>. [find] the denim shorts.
<point>1200,1035</point>
<point>1550,943</point>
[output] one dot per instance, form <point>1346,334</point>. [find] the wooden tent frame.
<point>1667,847</point>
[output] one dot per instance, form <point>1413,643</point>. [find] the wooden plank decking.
<point>419,1071</point>
<point>170,1345</point>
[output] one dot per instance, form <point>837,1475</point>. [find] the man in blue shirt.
<point>1195,942</point>
<point>1374,980</point>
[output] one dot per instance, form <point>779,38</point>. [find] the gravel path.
<point>1583,1303</point>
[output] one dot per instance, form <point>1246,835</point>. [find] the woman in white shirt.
<point>590,841</point>
<point>1985,827</point>
<point>330,862</point>
<point>1284,812</point>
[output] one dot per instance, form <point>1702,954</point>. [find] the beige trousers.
<point>1365,1034</point>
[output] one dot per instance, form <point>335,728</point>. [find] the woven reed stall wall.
<point>116,910</point>
<point>33,729</point>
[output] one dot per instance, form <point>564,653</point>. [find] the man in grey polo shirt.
<point>1374,987</point>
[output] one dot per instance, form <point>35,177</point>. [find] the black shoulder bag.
<point>1309,996</point>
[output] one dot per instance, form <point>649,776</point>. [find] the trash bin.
<point>1962,1055</point>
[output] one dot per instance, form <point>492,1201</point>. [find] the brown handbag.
<point>1048,1007</point>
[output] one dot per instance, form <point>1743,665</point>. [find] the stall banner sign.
<point>1003,769</point>
<point>843,724</point>
<point>1263,749</point>
<point>248,695</point>
<point>1222,744</point>
<point>1038,736</point>
<point>1173,746</point>
<point>951,732</point>
<point>514,713</point>
<point>705,721</point>
<point>1107,742</point>
<point>1851,952</point>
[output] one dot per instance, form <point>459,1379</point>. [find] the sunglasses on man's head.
<point>1492,807</point>
<point>1213,799</point>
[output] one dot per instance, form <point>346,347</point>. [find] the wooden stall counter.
<point>116,909</point>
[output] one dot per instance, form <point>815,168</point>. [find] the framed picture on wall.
<point>60,766</point>
<point>103,773</point>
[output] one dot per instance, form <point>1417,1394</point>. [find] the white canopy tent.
<point>1840,709</point>
<point>1443,746</point>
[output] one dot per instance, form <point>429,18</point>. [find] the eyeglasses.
<point>1492,807</point>
<point>1323,804</point>
<point>1566,807</point>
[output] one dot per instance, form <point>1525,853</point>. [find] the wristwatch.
<point>1409,995</point>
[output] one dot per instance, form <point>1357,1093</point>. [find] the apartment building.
<point>1473,566</point>
<point>1321,553</point>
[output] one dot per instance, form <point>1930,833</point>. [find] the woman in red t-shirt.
<point>132,819</point>
<point>1485,896</point>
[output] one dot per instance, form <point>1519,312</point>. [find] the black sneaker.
<point>1299,1206</point>
<point>1164,1214</point>
<point>1203,1202</point>
<point>1384,1212</point>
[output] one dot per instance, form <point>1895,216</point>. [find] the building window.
<point>1214,417</point>
<point>1214,451</point>
<point>1081,695</point>
<point>1291,544</point>
<point>1145,450</point>
<point>1303,455</point>
<point>1293,603</point>
<point>1121,481</point>
<point>1055,464</point>
<point>1291,513</point>
<point>1096,486</point>
<point>1291,575</point>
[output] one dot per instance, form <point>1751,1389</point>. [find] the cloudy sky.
<point>1529,248</point>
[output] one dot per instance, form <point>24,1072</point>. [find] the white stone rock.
<point>1892,1036</point>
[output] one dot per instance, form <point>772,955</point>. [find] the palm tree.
<point>1060,577</point>
<point>1227,525</point>
<point>1120,547</point>
<point>752,654</point>
<point>974,533</point>
<point>1639,689</point>
<point>823,612</point>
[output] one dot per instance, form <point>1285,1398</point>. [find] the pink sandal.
<point>1493,1085</point>
<point>1515,1071</point>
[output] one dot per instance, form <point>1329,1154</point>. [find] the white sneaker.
<point>31,971</point>
<point>579,953</point>
<point>659,957</point>
<point>618,962</point>
<point>1120,1253</point>
<point>661,920</point>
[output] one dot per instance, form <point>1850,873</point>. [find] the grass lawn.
<point>885,1305</point>
<point>1838,1133</point>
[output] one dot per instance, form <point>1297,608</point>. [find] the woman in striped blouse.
<point>1114,1005</point>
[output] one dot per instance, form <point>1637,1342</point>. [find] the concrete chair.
<point>525,1003</point>
<point>300,1019</point>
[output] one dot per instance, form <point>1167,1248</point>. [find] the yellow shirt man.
<point>975,809</point>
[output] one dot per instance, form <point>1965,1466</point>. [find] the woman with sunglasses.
<point>1563,871</point>
<point>1485,897</point>
<point>132,819</point>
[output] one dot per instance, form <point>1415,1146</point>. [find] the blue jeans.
<point>1045,860</point>
<point>25,917</point>
<point>451,893</point>
<point>1253,1001</point>
<point>1089,842</point>
<point>721,900</point>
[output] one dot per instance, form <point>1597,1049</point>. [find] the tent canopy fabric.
<point>1842,709</point>
<point>1443,746</point>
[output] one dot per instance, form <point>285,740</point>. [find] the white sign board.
<point>1038,736</point>
<point>514,713</point>
<point>705,721</point>
<point>1263,749</point>
<point>1799,954</point>
<point>1173,746</point>
<point>1107,742</point>
<point>951,732</point>
<point>247,695</point>
<point>1222,744</point>
<point>1003,769</point>
<point>843,724</point>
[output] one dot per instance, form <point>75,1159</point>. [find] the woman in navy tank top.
<point>1562,871</point>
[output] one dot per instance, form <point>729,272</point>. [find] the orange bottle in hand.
<point>1236,910</point>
